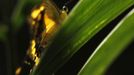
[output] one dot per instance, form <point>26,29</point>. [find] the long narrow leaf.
<point>110,47</point>
<point>86,19</point>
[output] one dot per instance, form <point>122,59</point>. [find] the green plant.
<point>89,17</point>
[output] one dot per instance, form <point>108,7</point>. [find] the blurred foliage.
<point>86,19</point>
<point>3,32</point>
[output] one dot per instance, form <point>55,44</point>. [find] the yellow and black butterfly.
<point>44,20</point>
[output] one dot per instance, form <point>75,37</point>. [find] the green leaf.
<point>85,20</point>
<point>110,47</point>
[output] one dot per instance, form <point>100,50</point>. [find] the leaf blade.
<point>73,35</point>
<point>110,47</point>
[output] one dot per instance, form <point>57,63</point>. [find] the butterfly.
<point>44,20</point>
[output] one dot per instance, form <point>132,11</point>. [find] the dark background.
<point>18,42</point>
